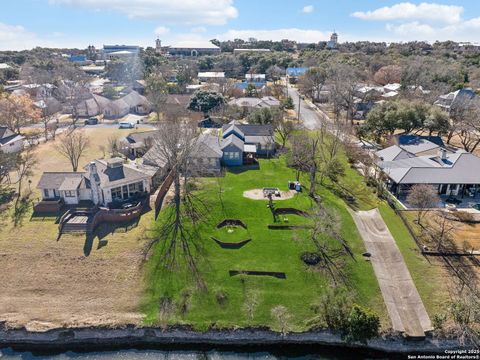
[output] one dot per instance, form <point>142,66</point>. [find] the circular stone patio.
<point>257,194</point>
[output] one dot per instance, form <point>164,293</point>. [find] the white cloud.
<point>449,14</point>
<point>185,12</point>
<point>300,35</point>
<point>16,37</point>
<point>407,30</point>
<point>161,30</point>
<point>199,29</point>
<point>308,9</point>
<point>463,31</point>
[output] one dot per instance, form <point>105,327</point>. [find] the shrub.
<point>438,321</point>
<point>334,308</point>
<point>310,258</point>
<point>362,324</point>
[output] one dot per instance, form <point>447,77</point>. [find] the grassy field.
<point>49,159</point>
<point>173,298</point>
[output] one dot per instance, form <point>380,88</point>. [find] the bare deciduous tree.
<point>284,128</point>
<point>281,314</point>
<point>24,167</point>
<point>157,92</point>
<point>441,229</point>
<point>72,145</point>
<point>173,147</point>
<point>422,197</point>
<point>72,90</point>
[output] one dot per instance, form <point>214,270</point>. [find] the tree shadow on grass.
<point>241,169</point>
<point>105,229</point>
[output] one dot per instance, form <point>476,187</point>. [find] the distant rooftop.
<point>194,45</point>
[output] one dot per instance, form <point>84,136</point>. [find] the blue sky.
<point>77,23</point>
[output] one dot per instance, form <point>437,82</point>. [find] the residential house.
<point>177,102</point>
<point>453,172</point>
<point>210,75</point>
<point>49,106</point>
<point>138,143</point>
<point>138,104</point>
<point>93,106</point>
<point>206,156</point>
<point>104,182</point>
<point>449,101</point>
<point>10,142</point>
<point>139,86</point>
<point>252,103</point>
<point>133,103</point>
<point>241,143</point>
<point>204,160</point>
<point>255,78</point>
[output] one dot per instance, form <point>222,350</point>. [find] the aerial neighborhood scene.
<point>239,179</point>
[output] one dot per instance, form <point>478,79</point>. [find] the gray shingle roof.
<point>232,139</point>
<point>459,168</point>
<point>207,146</point>
<point>111,176</point>
<point>53,180</point>
<point>250,129</point>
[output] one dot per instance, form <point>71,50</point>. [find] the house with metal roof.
<point>453,172</point>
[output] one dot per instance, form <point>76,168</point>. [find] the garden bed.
<point>278,275</point>
<point>231,222</point>
<point>230,245</point>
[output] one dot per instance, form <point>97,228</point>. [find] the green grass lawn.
<point>223,304</point>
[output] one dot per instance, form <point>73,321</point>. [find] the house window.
<point>213,161</point>
<point>237,155</point>
<point>45,193</point>
<point>70,193</point>
<point>116,193</point>
<point>135,188</point>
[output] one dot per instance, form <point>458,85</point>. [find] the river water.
<point>8,354</point>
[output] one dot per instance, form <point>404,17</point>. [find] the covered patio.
<point>463,196</point>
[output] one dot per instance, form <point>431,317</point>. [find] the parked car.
<point>91,121</point>
<point>126,125</point>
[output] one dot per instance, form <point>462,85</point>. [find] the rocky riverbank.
<point>96,339</point>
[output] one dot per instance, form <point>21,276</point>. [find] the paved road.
<point>308,116</point>
<point>404,305</point>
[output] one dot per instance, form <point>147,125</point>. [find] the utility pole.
<point>299,104</point>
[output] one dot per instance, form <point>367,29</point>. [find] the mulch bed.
<point>292,211</point>
<point>231,222</point>
<point>278,275</point>
<point>228,245</point>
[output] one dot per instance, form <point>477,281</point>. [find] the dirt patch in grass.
<point>46,283</point>
<point>257,194</point>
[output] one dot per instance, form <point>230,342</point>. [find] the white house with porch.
<point>104,183</point>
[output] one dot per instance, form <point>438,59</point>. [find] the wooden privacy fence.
<point>162,191</point>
